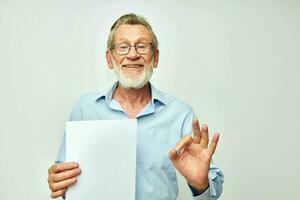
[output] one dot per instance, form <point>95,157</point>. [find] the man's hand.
<point>191,156</point>
<point>61,176</point>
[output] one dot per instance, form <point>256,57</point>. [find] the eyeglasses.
<point>124,48</point>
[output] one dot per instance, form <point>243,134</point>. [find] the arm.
<point>63,174</point>
<point>192,156</point>
<point>215,179</point>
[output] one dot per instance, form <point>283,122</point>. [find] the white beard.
<point>133,82</point>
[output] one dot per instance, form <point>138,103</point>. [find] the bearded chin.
<point>135,82</point>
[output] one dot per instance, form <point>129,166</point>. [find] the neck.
<point>131,97</point>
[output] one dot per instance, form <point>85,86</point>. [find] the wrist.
<point>200,186</point>
<point>198,191</point>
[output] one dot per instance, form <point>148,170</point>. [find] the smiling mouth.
<point>132,66</point>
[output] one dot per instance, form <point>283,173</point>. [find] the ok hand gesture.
<point>191,156</point>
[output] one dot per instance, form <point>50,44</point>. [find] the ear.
<point>109,59</point>
<point>156,58</point>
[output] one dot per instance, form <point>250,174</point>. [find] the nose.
<point>132,54</point>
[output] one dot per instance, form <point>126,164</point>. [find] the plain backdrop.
<point>235,62</point>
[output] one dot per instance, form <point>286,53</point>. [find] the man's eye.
<point>141,46</point>
<point>123,47</point>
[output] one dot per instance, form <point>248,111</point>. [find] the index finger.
<point>175,152</point>
<point>59,167</point>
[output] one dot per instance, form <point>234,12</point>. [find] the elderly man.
<point>164,125</point>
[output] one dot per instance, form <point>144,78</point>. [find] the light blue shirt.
<point>160,125</point>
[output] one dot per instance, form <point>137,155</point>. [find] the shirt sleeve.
<point>61,154</point>
<point>74,116</point>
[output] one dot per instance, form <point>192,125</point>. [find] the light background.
<point>235,62</point>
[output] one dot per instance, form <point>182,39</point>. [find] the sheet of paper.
<point>106,153</point>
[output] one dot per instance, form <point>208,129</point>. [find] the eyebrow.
<point>126,40</point>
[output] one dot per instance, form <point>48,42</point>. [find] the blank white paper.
<point>106,153</point>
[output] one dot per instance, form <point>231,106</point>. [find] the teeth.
<point>132,66</point>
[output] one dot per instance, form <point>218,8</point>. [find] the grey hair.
<point>130,19</point>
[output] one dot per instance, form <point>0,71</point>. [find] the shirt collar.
<point>156,95</point>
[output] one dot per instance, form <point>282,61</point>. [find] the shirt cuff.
<point>207,194</point>
<point>196,192</point>
<point>204,196</point>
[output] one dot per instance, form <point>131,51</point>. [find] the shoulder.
<point>180,112</point>
<point>174,102</point>
<point>84,105</point>
<point>89,98</point>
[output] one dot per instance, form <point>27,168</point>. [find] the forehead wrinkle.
<point>133,33</point>
<point>125,40</point>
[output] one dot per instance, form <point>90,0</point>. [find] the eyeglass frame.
<point>135,47</point>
